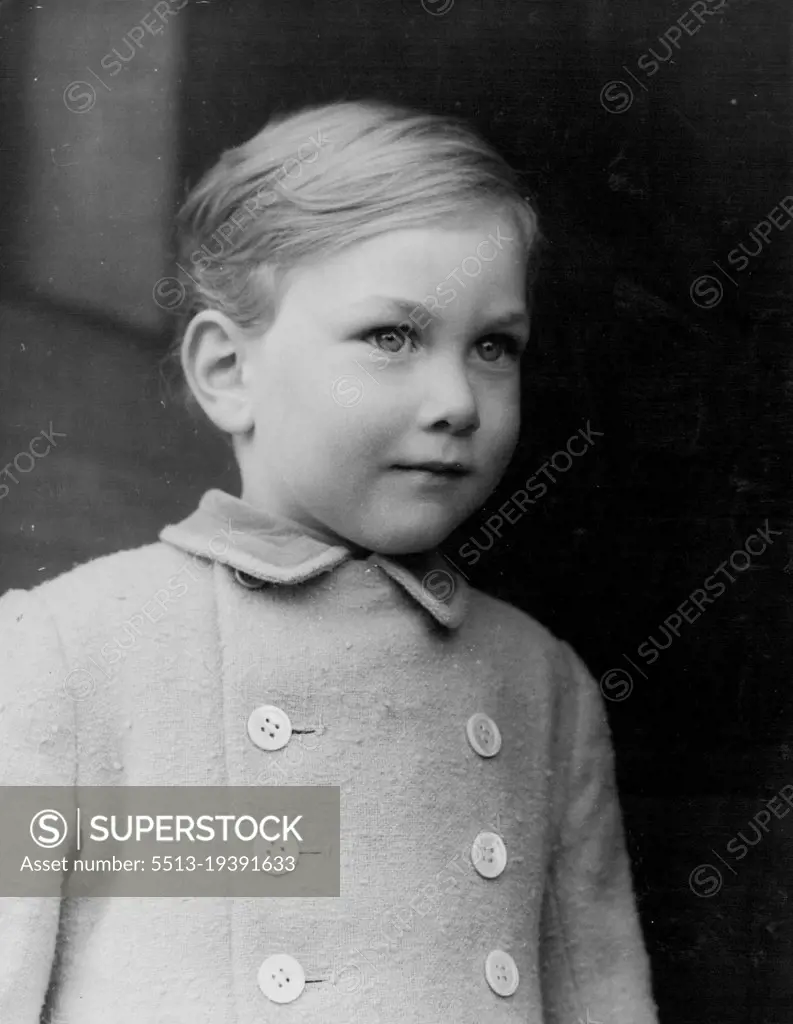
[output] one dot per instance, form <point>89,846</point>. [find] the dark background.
<point>639,193</point>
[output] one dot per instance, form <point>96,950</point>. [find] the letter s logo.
<point>79,97</point>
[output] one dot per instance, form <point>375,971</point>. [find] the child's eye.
<point>390,337</point>
<point>494,346</point>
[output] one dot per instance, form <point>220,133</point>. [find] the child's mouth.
<point>436,470</point>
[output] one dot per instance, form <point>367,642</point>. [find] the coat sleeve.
<point>593,962</point>
<point>37,747</point>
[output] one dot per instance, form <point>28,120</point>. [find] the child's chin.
<point>410,538</point>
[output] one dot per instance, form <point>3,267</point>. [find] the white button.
<point>277,851</point>
<point>269,727</point>
<point>489,855</point>
<point>281,978</point>
<point>483,734</point>
<point>501,972</point>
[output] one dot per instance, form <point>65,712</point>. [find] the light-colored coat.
<point>142,669</point>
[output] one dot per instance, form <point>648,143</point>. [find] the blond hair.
<point>312,183</point>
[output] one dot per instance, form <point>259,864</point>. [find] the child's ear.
<point>213,359</point>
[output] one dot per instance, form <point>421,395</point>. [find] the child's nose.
<point>449,397</point>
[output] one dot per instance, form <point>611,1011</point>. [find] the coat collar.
<point>278,550</point>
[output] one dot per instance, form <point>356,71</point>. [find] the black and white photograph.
<point>396,408</point>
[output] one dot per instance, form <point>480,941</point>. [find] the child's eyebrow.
<point>506,320</point>
<point>404,307</point>
<point>395,305</point>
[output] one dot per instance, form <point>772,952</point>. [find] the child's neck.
<point>259,502</point>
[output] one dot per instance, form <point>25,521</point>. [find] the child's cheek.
<point>503,439</point>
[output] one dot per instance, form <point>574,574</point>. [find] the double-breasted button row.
<point>489,855</point>
<point>281,977</point>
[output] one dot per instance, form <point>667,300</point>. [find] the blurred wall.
<point>101,98</point>
<point>89,110</point>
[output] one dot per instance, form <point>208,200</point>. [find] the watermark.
<point>706,879</point>
<point>477,259</point>
<point>437,8</point>
<point>347,389</point>
<point>80,683</point>
<point>561,461</point>
<point>439,584</point>
<point>617,96</point>
<point>170,292</point>
<point>79,97</point>
<point>24,461</point>
<point>707,290</point>
<point>102,765</point>
<point>265,196</point>
<point>50,829</point>
<point>616,684</point>
<point>170,840</point>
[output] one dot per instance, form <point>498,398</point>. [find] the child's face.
<point>341,397</point>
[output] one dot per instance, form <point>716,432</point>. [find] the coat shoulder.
<point>105,587</point>
<point>508,625</point>
<point>529,648</point>
<point>122,575</point>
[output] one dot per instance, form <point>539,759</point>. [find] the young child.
<point>358,303</point>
